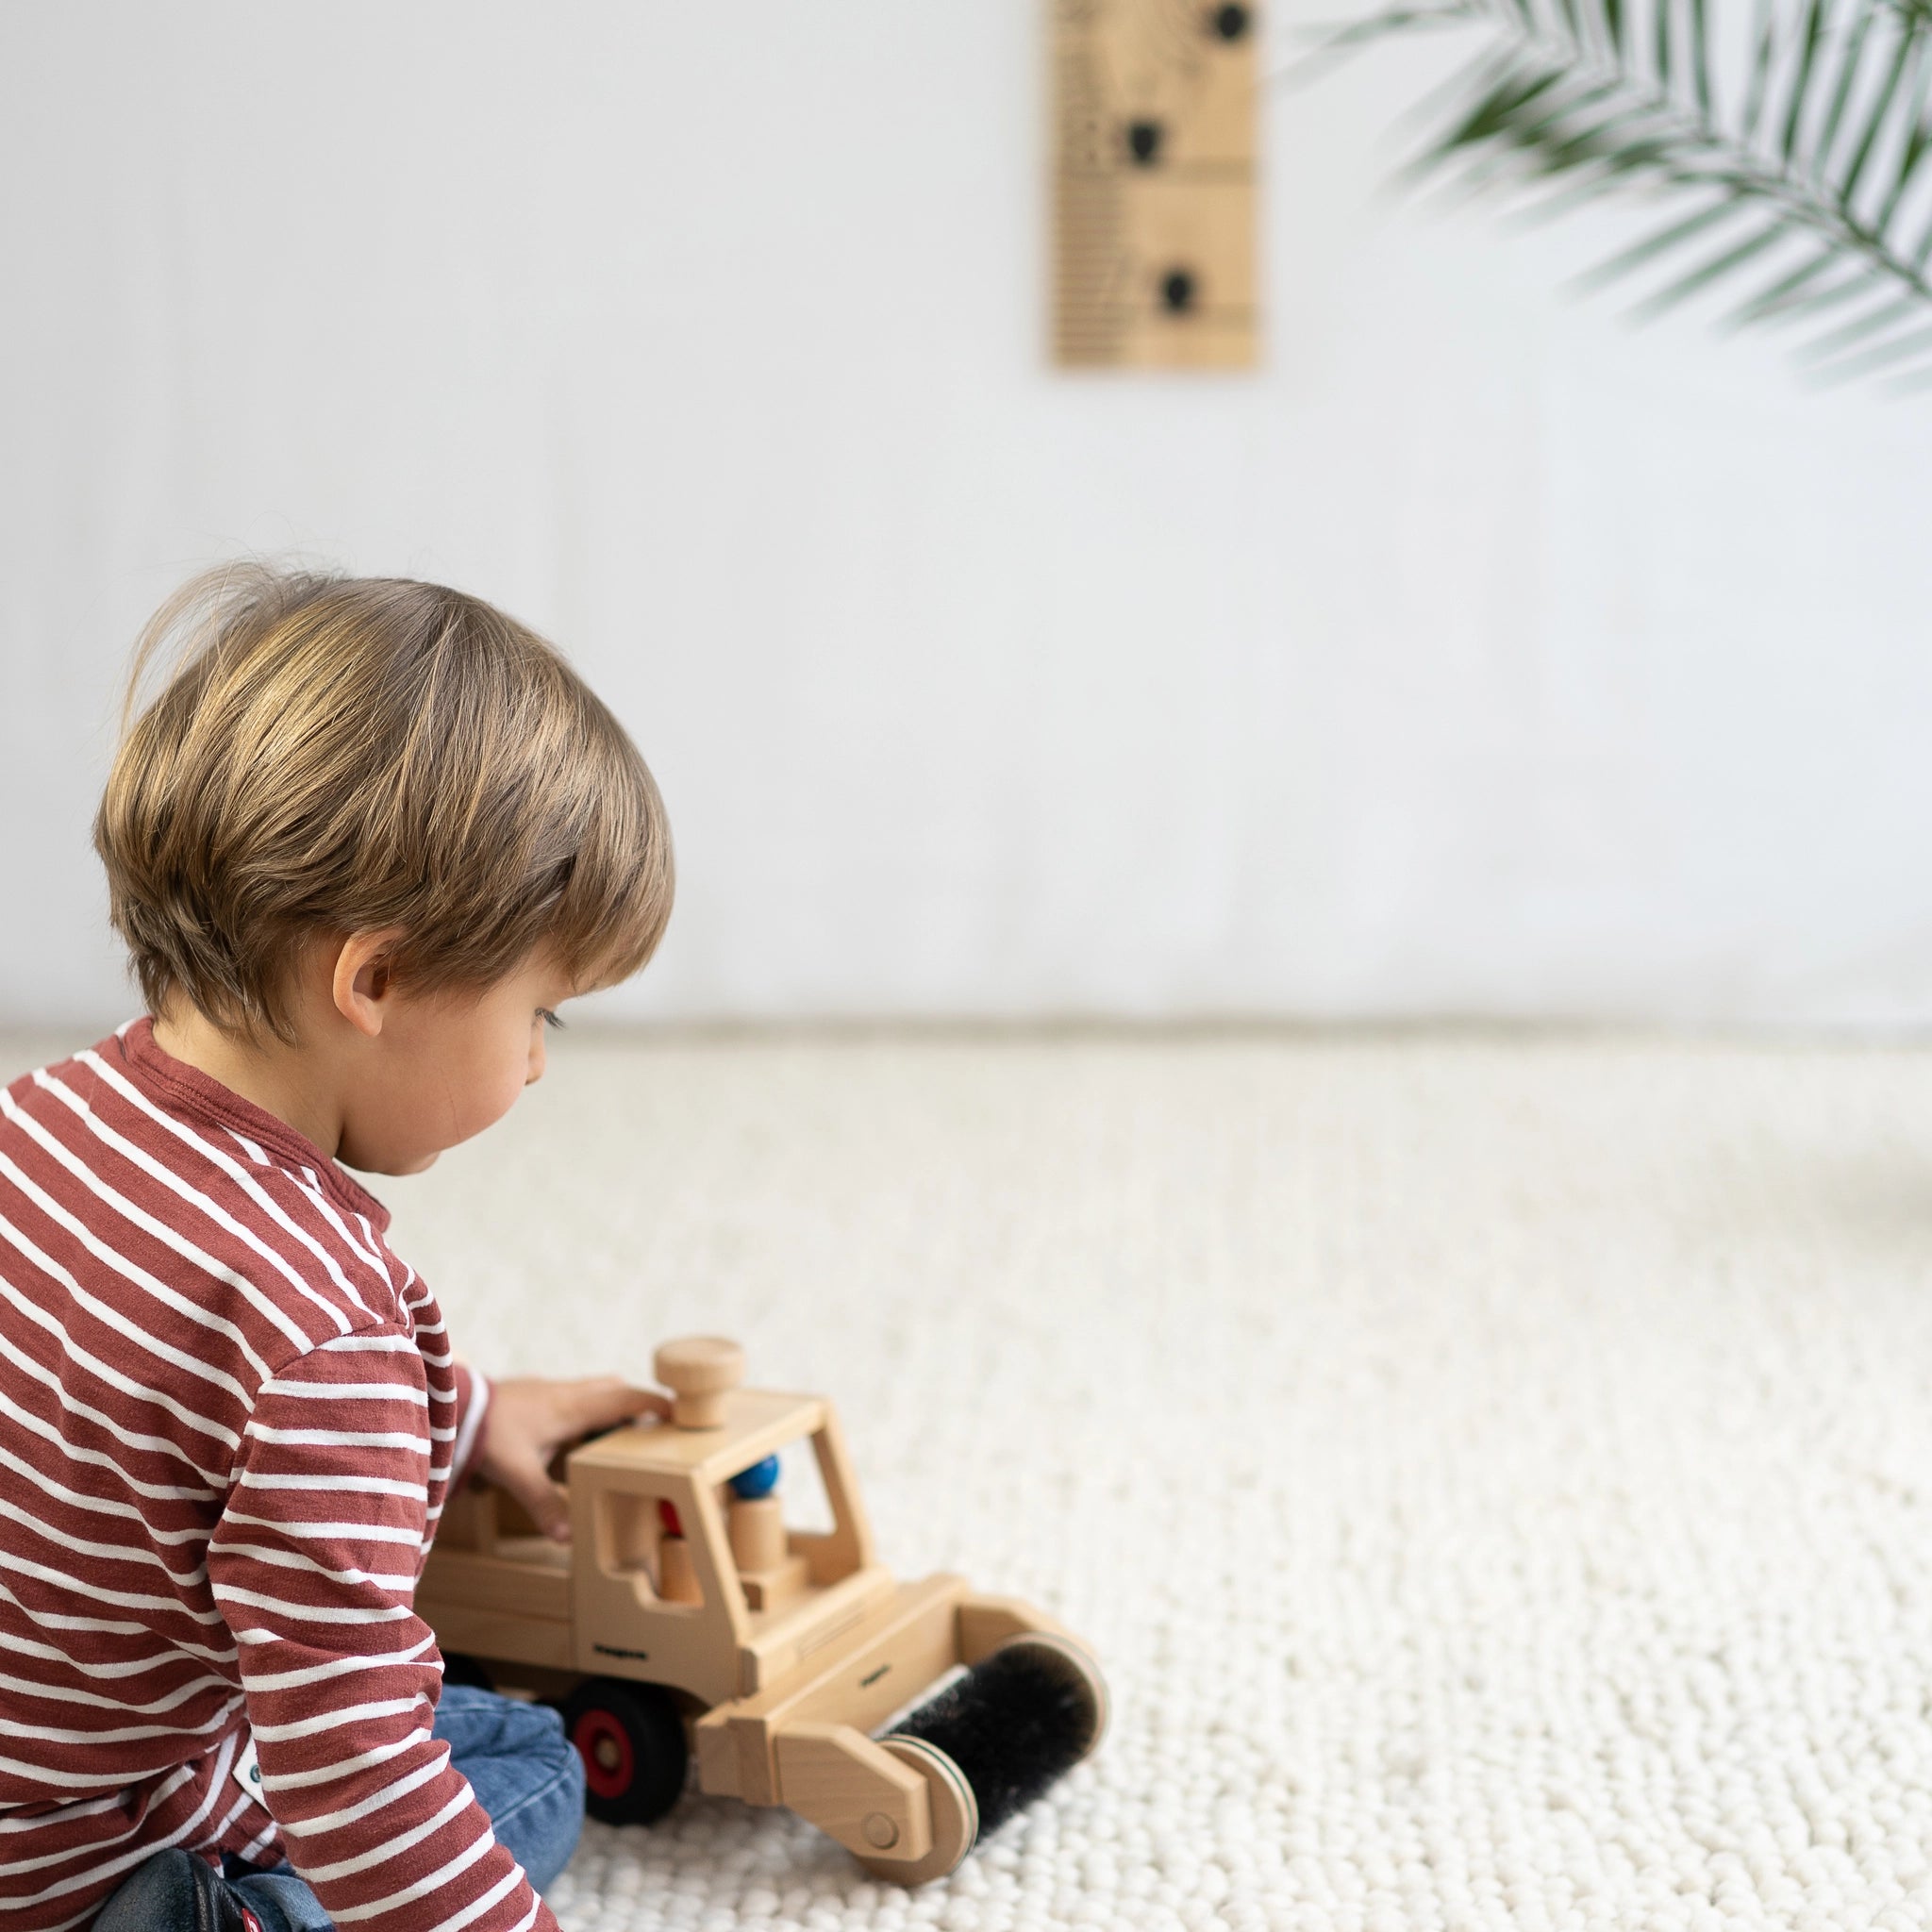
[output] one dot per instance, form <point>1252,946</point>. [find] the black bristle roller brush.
<point>1010,1728</point>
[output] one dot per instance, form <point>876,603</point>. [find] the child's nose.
<point>534,1072</point>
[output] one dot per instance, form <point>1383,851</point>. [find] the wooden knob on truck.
<point>700,1370</point>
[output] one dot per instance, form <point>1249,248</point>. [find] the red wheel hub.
<point>603,1744</point>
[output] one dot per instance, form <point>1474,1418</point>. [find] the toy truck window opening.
<point>640,1536</point>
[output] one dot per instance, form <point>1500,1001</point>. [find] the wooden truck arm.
<point>854,1790</point>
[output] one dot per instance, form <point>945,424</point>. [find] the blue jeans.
<point>525,1773</point>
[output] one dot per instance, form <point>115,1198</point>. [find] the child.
<point>364,842</point>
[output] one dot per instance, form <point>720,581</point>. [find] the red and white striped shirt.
<point>229,1419</point>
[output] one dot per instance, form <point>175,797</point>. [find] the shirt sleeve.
<point>314,1566</point>
<point>472,1410</point>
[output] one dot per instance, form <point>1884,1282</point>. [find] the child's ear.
<point>362,979</point>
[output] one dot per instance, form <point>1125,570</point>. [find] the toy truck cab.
<point>672,1579</point>
<point>686,1613</point>
<point>708,1582</point>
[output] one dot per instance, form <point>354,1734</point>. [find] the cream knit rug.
<point>1497,1476</point>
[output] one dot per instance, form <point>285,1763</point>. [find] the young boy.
<point>363,843</point>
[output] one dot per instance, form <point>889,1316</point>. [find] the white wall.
<point>1478,656</point>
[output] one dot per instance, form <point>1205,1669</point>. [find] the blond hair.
<point>339,755</point>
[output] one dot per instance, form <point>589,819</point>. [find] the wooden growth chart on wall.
<point>1154,184</point>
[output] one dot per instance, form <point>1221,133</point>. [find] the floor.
<point>1496,1473</point>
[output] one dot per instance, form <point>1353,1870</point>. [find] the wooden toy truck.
<point>684,1618</point>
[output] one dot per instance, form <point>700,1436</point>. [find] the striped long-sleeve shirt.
<point>229,1419</point>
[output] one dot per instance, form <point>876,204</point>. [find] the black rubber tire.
<point>637,1780</point>
<point>459,1668</point>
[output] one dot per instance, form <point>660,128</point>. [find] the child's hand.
<point>529,1420</point>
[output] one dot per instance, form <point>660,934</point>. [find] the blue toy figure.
<point>760,1479</point>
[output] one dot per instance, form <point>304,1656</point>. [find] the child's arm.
<point>314,1566</point>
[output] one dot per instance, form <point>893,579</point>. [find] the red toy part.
<point>609,1764</point>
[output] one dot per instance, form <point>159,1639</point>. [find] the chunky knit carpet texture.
<point>1497,1475</point>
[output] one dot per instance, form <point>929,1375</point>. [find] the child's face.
<point>445,1066</point>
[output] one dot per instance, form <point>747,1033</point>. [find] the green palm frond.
<point>1794,150</point>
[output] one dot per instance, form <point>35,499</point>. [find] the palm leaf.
<point>1764,40</point>
<point>1899,309</point>
<point>1808,55</point>
<point>1847,77</point>
<point>1918,143</point>
<point>1798,155</point>
<point>1768,303</point>
<point>1749,249</point>
<point>1897,349</point>
<point>1641,253</point>
<point>1700,57</point>
<point>1858,282</point>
